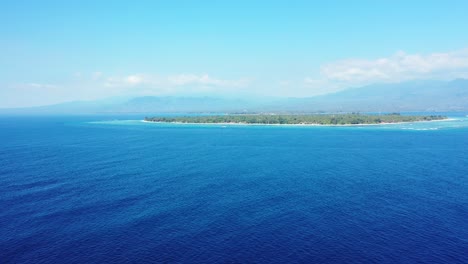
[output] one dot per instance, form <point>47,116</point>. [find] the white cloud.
<point>398,67</point>
<point>332,77</point>
<point>41,85</point>
<point>134,79</point>
<point>129,80</point>
<point>173,81</point>
<point>205,79</point>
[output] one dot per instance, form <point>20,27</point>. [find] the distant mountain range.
<point>407,96</point>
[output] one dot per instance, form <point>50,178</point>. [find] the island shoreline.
<point>297,125</point>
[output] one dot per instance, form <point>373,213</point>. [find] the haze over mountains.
<point>430,96</point>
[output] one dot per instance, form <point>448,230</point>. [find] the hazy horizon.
<point>53,52</point>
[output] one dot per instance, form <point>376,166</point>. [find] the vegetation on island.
<point>291,119</point>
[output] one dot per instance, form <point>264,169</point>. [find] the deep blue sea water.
<point>109,190</point>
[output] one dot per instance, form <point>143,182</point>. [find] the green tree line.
<point>318,119</point>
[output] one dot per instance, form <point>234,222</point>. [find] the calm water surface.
<point>102,189</point>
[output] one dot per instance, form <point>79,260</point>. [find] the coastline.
<point>300,125</point>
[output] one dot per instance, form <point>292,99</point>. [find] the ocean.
<point>113,189</point>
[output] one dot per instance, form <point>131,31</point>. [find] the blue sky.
<point>56,51</point>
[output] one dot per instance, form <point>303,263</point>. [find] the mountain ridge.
<point>424,95</point>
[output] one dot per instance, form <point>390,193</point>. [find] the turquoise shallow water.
<point>115,189</point>
<point>459,121</point>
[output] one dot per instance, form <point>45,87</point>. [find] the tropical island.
<point>297,119</point>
